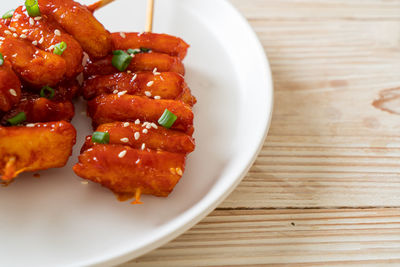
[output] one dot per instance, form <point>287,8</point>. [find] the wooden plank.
<point>319,9</point>
<point>328,146</point>
<point>317,237</point>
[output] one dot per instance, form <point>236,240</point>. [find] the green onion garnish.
<point>145,50</point>
<point>47,92</point>
<point>8,14</point>
<point>167,119</point>
<point>32,7</point>
<point>17,119</point>
<point>121,60</point>
<point>118,52</point>
<point>59,48</point>
<point>101,138</point>
<point>1,59</point>
<point>133,51</point>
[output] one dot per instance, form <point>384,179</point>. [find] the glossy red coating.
<point>110,108</point>
<point>140,62</point>
<point>46,33</point>
<point>166,85</point>
<point>43,146</point>
<point>159,138</point>
<point>10,87</point>
<point>123,169</point>
<point>79,21</point>
<point>158,42</point>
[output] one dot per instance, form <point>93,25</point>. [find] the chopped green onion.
<point>47,92</point>
<point>32,7</point>
<point>60,48</point>
<point>121,60</point>
<point>133,51</point>
<point>17,119</point>
<point>145,50</point>
<point>1,59</point>
<point>118,52</point>
<point>101,138</point>
<point>167,119</point>
<point>8,14</point>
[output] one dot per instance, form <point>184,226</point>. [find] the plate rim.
<point>195,214</point>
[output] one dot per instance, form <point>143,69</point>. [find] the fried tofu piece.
<point>40,109</point>
<point>129,172</point>
<point>148,136</point>
<point>157,42</point>
<point>164,85</point>
<point>43,146</point>
<point>35,66</point>
<point>10,87</point>
<point>110,108</point>
<point>78,21</point>
<point>140,62</point>
<point>46,33</point>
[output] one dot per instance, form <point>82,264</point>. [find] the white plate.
<point>57,221</point>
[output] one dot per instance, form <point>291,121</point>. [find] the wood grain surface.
<point>325,190</point>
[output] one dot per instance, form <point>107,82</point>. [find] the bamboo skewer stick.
<point>149,16</point>
<point>149,12</point>
<point>99,4</point>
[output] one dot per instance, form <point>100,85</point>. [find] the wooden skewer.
<point>149,16</point>
<point>99,4</point>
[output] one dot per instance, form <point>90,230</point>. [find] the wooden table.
<point>326,187</point>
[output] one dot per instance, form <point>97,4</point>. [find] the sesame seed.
<point>31,21</point>
<point>140,33</point>
<point>129,71</point>
<point>7,32</point>
<point>51,47</point>
<point>122,154</point>
<point>134,78</point>
<point>161,77</point>
<point>145,124</point>
<point>137,161</point>
<point>137,121</point>
<point>143,146</point>
<point>155,72</point>
<point>126,124</point>
<point>85,182</point>
<point>122,93</point>
<point>147,93</point>
<point>150,83</point>
<point>41,40</point>
<point>38,18</point>
<point>115,91</point>
<point>25,31</point>
<point>145,131</point>
<point>179,171</point>
<point>122,34</point>
<point>148,126</point>
<point>13,92</point>
<point>57,32</point>
<point>17,16</point>
<point>15,35</point>
<point>34,42</point>
<point>30,125</point>
<point>172,170</point>
<point>124,140</point>
<point>157,97</point>
<point>137,135</point>
<point>23,36</point>
<point>12,29</point>
<point>154,125</point>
